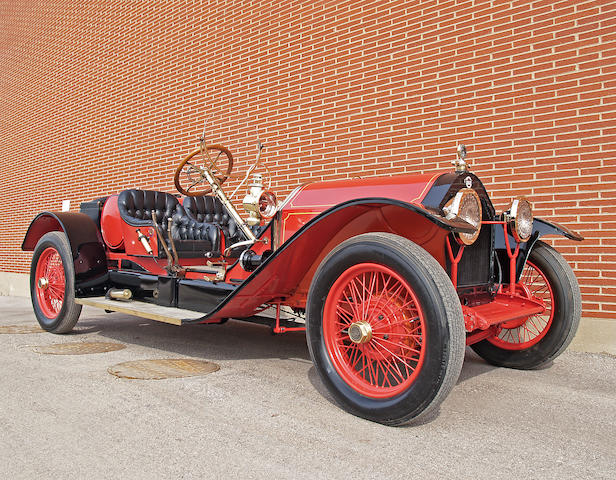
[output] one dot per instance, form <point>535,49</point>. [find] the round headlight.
<point>267,204</point>
<point>465,206</point>
<point>521,219</point>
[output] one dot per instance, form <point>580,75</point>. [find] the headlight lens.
<point>465,206</point>
<point>267,204</point>
<point>521,219</point>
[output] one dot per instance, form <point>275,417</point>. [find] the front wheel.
<point>539,338</point>
<point>52,284</point>
<point>385,328</point>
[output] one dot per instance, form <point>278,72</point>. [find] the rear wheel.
<point>385,328</point>
<point>52,284</point>
<point>539,339</point>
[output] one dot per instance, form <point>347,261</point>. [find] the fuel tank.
<point>112,225</point>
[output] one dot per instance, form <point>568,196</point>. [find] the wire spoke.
<point>392,353</point>
<point>388,362</point>
<point>400,345</point>
<point>379,307</point>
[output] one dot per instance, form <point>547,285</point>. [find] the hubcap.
<point>360,332</point>
<point>43,283</point>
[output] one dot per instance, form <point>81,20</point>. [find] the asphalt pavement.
<point>265,413</point>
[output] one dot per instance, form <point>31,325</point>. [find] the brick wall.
<point>98,96</point>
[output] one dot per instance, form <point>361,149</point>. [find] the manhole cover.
<point>163,368</point>
<point>21,329</point>
<point>78,348</point>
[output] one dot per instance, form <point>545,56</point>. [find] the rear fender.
<point>287,273</point>
<point>541,228</point>
<point>89,258</point>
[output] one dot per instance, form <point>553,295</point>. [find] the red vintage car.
<point>390,277</point>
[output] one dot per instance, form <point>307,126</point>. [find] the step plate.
<point>159,313</point>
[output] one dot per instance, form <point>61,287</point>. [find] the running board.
<point>172,315</point>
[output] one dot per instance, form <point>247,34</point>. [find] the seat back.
<point>185,228</point>
<point>136,207</point>
<point>209,209</point>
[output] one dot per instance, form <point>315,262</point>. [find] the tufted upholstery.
<point>136,207</point>
<point>191,237</point>
<point>185,229</point>
<point>210,209</point>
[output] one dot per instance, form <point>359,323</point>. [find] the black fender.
<point>541,228</point>
<point>89,258</point>
<point>281,273</point>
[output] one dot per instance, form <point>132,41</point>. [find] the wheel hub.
<point>360,332</point>
<point>43,283</point>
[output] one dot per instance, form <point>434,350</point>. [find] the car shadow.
<point>234,340</point>
<point>473,366</point>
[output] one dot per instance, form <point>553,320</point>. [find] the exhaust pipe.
<point>119,294</point>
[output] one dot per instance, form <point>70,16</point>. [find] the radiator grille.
<point>475,266</point>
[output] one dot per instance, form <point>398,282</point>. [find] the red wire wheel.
<point>534,328</point>
<point>49,281</point>
<point>384,328</point>
<point>374,330</point>
<point>52,284</point>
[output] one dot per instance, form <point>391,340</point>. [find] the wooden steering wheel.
<point>192,172</point>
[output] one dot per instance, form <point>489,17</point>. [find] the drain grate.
<point>163,368</point>
<point>13,329</point>
<point>78,348</point>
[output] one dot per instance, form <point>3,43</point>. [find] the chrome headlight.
<point>520,219</point>
<point>465,206</point>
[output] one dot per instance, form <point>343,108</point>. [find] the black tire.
<point>56,315</point>
<point>441,337</point>
<point>557,333</point>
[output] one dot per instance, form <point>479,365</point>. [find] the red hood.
<point>320,196</point>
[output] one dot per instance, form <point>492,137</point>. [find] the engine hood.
<point>430,191</point>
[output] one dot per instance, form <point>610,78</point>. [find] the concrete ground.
<point>265,414</point>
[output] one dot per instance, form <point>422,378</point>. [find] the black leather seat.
<point>136,207</point>
<point>191,235</point>
<point>209,209</point>
<point>192,238</point>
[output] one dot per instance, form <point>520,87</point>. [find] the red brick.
<point>332,89</point>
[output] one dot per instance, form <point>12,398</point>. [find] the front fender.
<point>289,269</point>
<point>541,228</point>
<point>89,258</point>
